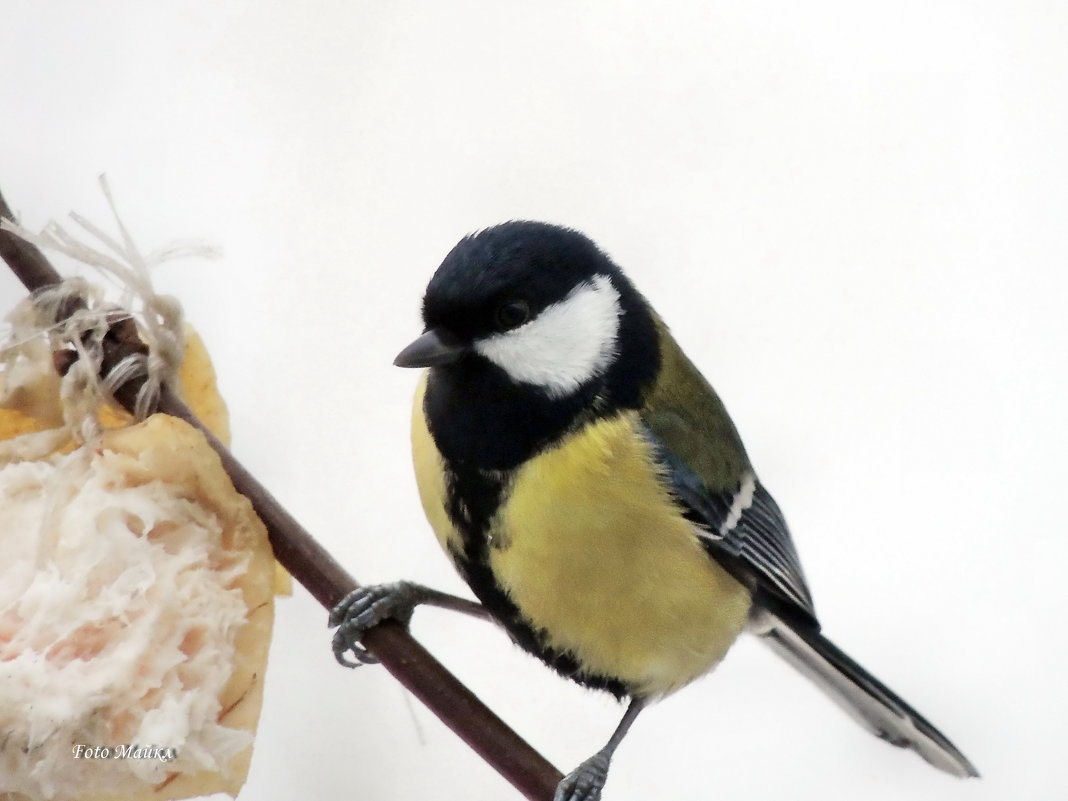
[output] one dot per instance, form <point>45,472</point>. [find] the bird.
<point>587,483</point>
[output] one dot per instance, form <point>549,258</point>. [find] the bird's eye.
<point>512,314</point>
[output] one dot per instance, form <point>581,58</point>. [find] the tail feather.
<point>870,702</point>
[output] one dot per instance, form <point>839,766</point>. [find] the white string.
<point>159,318</point>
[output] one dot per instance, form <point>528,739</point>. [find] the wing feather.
<point>704,462</point>
<point>756,546</point>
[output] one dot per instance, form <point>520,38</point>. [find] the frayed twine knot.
<point>100,347</point>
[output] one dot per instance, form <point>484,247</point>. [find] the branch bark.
<point>311,565</point>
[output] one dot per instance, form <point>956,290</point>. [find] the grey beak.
<point>436,346</point>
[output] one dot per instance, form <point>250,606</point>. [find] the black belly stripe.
<point>473,498</point>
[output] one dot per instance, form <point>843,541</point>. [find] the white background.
<point>854,217</point>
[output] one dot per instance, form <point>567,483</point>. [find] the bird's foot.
<point>363,609</point>
<point>585,782</point>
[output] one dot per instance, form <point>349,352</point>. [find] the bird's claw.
<point>363,609</point>
<point>585,782</point>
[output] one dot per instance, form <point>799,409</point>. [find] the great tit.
<point>588,484</point>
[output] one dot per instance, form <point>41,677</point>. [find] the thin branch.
<point>25,260</point>
<point>311,565</point>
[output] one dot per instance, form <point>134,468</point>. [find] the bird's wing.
<point>742,528</point>
<point>706,466</point>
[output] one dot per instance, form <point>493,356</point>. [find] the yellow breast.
<point>594,552</point>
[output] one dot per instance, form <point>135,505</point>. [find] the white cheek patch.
<point>566,345</point>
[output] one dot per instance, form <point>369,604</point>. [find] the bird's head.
<point>543,305</point>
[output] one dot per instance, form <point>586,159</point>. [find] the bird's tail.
<point>864,697</point>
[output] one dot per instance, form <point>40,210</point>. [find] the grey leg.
<point>363,609</point>
<point>586,781</point>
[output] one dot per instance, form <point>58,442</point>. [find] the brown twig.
<point>25,260</point>
<point>328,582</point>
